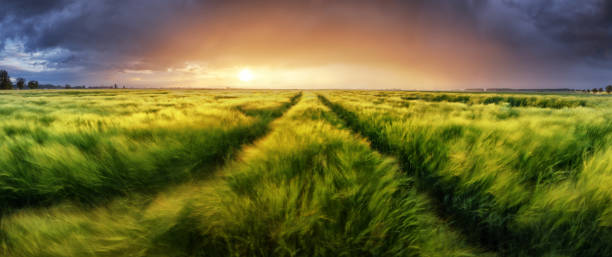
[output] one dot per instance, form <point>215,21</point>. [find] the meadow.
<point>312,173</point>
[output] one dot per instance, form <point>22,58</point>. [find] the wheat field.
<point>304,173</point>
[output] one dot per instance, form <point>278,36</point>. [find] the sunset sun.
<point>245,75</point>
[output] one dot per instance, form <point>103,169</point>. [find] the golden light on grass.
<point>245,75</point>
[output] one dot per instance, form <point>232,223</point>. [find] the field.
<point>304,173</point>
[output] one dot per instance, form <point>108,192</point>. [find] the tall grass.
<point>518,183</point>
<point>518,100</point>
<point>261,173</point>
<point>309,188</point>
<point>313,189</point>
<point>95,148</point>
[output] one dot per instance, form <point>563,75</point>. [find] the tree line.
<point>20,83</point>
<point>608,90</point>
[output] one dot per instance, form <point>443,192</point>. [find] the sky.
<point>348,44</point>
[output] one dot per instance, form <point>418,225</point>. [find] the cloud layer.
<point>411,44</point>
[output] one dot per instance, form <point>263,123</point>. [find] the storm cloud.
<point>472,43</point>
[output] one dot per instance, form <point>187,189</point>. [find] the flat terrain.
<point>304,173</point>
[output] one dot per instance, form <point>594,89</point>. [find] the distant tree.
<point>20,83</point>
<point>33,84</point>
<point>609,89</point>
<point>68,86</point>
<point>594,90</point>
<point>5,80</point>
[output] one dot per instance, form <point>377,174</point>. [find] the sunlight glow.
<point>245,75</point>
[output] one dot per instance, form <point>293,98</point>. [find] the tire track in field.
<point>144,215</point>
<point>262,127</point>
<point>229,143</point>
<point>313,159</point>
<point>444,212</point>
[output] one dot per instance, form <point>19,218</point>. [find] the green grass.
<point>117,146</point>
<point>528,184</point>
<point>309,188</point>
<point>512,100</point>
<point>281,173</point>
<point>313,189</point>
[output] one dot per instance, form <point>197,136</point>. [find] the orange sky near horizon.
<point>319,46</point>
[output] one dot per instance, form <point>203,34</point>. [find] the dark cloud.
<point>97,33</point>
<point>24,8</point>
<point>584,26</point>
<point>112,35</point>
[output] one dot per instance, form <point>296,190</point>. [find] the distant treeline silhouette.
<point>6,83</point>
<point>608,90</point>
<point>20,83</point>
